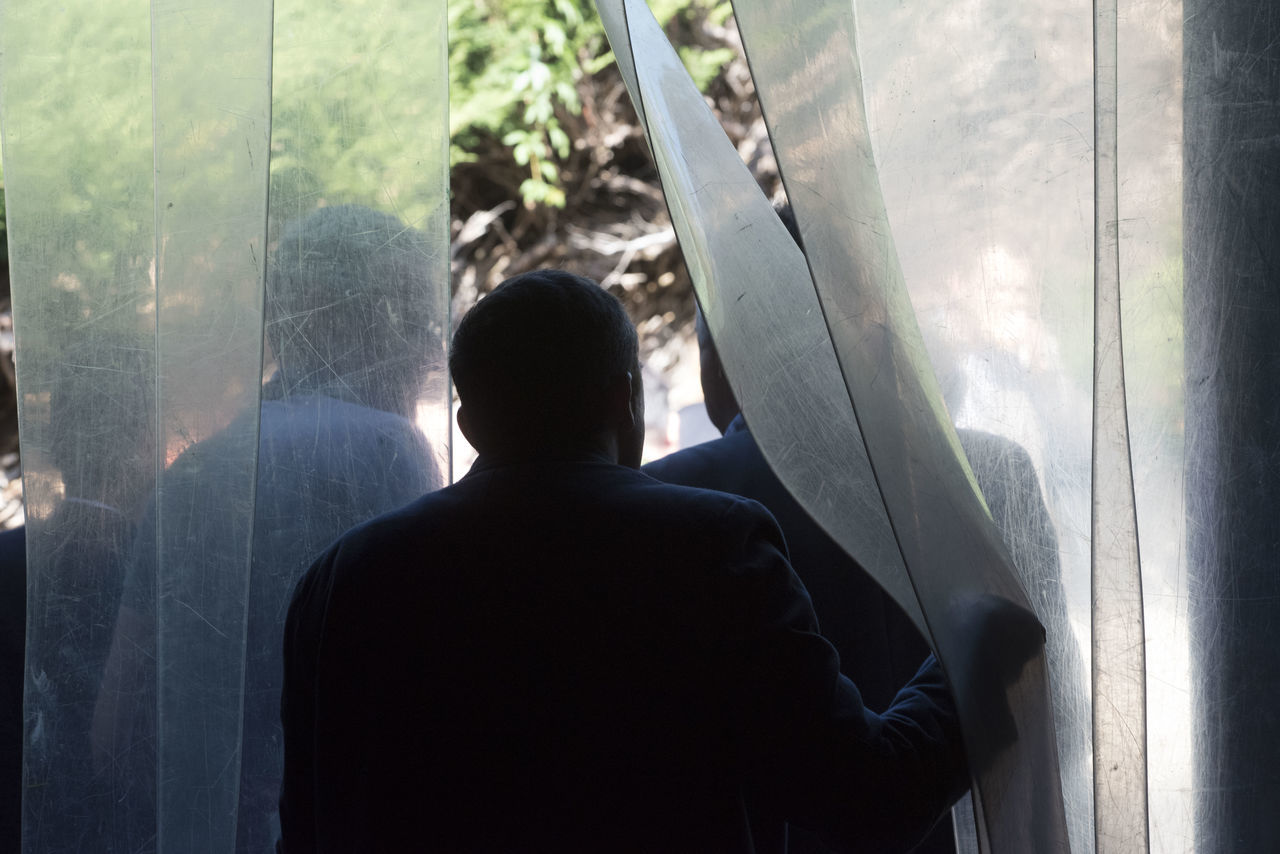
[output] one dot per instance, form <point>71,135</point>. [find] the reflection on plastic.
<point>178,483</point>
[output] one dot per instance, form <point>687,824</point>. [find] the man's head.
<point>349,311</point>
<point>788,217</point>
<point>717,395</point>
<point>546,364</point>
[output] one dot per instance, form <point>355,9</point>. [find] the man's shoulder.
<point>576,496</point>
<point>600,489</point>
<point>708,463</point>
<point>402,523</point>
<point>677,496</point>
<point>543,521</point>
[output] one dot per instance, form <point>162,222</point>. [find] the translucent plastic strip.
<point>1150,196</point>
<point>757,298</point>
<point>809,83</point>
<point>360,117</point>
<point>984,157</point>
<point>75,110</point>
<point>1119,662</point>
<point>355,408</point>
<point>211,66</point>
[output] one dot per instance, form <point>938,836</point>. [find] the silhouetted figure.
<point>878,644</point>
<point>559,653</point>
<point>350,326</point>
<point>13,629</point>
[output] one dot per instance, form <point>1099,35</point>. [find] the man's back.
<point>323,465</point>
<point>568,655</point>
<point>879,647</point>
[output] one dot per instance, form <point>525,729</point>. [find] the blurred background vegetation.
<point>548,164</point>
<point>550,167</point>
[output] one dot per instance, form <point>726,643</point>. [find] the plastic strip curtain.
<point>943,531</point>
<point>810,436</point>
<point>78,163</point>
<point>189,440</point>
<point>987,160</point>
<point>982,120</point>
<point>1119,644</point>
<point>211,136</point>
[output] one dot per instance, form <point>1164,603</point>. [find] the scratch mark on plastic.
<point>203,619</point>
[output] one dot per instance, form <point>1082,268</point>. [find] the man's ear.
<point>636,403</point>
<point>465,425</point>
<point>619,402</point>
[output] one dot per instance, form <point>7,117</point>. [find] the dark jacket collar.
<point>492,462</point>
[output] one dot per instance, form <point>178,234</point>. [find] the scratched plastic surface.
<point>746,268</point>
<point>1017,170</point>
<point>987,161</point>
<point>231,300</point>
<point>81,254</point>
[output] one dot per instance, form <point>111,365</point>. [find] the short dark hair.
<point>537,355</point>
<point>349,306</point>
<point>788,217</point>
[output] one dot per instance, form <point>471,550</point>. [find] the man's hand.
<point>996,640</point>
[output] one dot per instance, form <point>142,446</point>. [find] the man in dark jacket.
<point>559,653</point>
<point>879,646</point>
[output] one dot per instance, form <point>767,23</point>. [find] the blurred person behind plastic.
<point>350,328</point>
<point>82,549</point>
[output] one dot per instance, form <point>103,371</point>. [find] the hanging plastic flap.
<point>139,226</point>
<point>1226,295</point>
<point>1006,768</point>
<point>809,83</point>
<point>75,109</point>
<point>355,412</point>
<point>211,67</point>
<point>1119,643</point>
<point>759,303</point>
<point>985,159</point>
<point>360,119</point>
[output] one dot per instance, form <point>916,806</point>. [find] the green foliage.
<point>357,106</point>
<point>77,133</point>
<point>354,97</point>
<point>514,71</point>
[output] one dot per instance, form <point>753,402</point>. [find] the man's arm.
<point>816,754</point>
